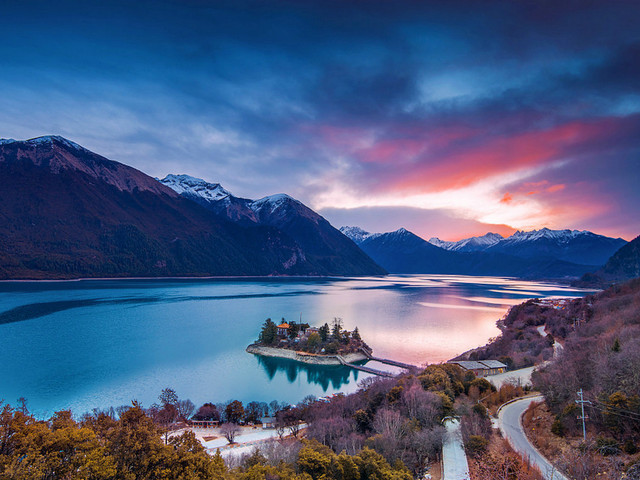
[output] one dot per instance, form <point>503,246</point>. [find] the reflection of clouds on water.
<point>323,375</point>
<point>461,307</point>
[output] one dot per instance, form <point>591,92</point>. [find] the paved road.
<point>511,428</point>
<point>454,460</point>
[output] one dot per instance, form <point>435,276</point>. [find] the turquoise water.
<point>89,344</point>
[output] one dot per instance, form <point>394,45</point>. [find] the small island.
<point>325,345</point>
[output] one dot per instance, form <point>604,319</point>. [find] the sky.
<point>449,118</point>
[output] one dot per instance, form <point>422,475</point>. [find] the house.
<point>283,329</point>
<point>268,422</point>
<point>204,423</point>
<point>311,330</point>
<point>482,368</point>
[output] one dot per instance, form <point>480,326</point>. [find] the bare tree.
<point>185,408</point>
<point>230,430</point>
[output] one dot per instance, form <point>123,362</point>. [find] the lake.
<point>100,343</point>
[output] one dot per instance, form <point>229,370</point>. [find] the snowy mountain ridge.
<point>186,184</point>
<point>46,139</point>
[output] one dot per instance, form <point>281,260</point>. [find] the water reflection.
<point>324,375</point>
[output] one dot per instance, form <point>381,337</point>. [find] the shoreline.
<point>304,357</point>
<point>212,277</point>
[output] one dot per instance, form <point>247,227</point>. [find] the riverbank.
<point>304,357</point>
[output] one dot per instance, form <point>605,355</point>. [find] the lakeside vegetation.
<point>390,429</point>
<point>599,336</point>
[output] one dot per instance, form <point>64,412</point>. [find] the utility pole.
<point>582,401</point>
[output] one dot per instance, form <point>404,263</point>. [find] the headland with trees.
<point>308,344</point>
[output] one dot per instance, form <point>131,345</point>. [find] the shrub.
<point>476,446</point>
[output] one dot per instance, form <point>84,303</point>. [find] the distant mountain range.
<point>574,246</point>
<point>67,212</point>
<point>537,254</point>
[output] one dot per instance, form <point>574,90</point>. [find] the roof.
<point>470,365</point>
<point>283,325</point>
<point>493,363</point>
<point>479,365</point>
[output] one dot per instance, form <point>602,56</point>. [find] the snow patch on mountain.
<point>441,243</point>
<point>45,140</point>
<point>272,202</point>
<point>357,234</point>
<point>545,233</point>
<point>188,185</point>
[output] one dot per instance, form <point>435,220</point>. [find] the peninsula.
<point>301,342</point>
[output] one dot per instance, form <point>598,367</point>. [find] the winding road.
<point>509,421</point>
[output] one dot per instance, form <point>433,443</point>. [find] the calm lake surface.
<point>89,344</point>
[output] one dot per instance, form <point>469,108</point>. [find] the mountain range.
<point>323,245</point>
<point>66,212</point>
<point>537,254</point>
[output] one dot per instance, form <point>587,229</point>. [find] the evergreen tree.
<point>294,328</point>
<point>323,331</point>
<point>336,328</point>
<point>269,333</point>
<point>356,334</point>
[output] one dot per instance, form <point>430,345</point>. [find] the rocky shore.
<point>304,357</point>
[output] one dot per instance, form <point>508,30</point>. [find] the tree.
<point>336,328</point>
<point>314,341</point>
<point>234,411</point>
<point>229,431</point>
<point>208,411</point>
<point>294,328</point>
<point>185,409</point>
<point>269,332</point>
<point>22,405</point>
<point>253,411</point>
<point>168,397</point>
<point>356,334</point>
<point>323,331</point>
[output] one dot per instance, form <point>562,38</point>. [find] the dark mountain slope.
<point>324,247</point>
<point>66,212</point>
<point>623,265</point>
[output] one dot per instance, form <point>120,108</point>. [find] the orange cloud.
<point>556,188</point>
<point>506,198</point>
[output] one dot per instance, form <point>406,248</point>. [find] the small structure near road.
<point>268,422</point>
<point>204,423</point>
<point>482,368</point>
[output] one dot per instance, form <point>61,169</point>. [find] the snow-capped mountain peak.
<point>546,233</point>
<point>468,244</point>
<point>45,140</point>
<point>441,243</point>
<point>188,185</point>
<point>272,202</point>
<point>357,234</point>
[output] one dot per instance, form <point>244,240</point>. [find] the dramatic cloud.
<point>448,118</point>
